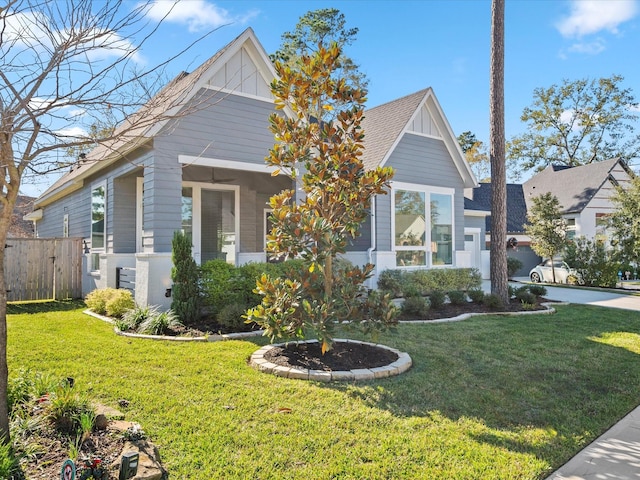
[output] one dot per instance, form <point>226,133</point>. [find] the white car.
<point>564,274</point>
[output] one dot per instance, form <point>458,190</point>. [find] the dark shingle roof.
<point>516,207</point>
<point>573,186</point>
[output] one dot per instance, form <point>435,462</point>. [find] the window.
<point>98,217</point>
<point>187,211</point>
<point>98,221</point>
<point>411,230</point>
<point>65,225</point>
<point>602,222</point>
<point>571,228</point>
<point>441,229</point>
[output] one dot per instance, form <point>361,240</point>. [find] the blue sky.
<point>407,45</point>
<point>404,46</point>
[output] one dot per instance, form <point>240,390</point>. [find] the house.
<point>584,193</point>
<point>480,199</point>
<point>204,173</point>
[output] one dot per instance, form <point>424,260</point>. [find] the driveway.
<point>587,297</point>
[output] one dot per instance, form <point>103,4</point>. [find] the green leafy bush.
<point>593,261</point>
<point>416,305</point>
<point>184,274</point>
<point>476,295</point>
<point>538,290</point>
<point>9,464</point>
<point>525,296</point>
<point>160,323</point>
<point>119,303</point>
<point>457,297</point>
<point>214,281</point>
<point>446,279</point>
<point>436,299</point>
<point>391,281</point>
<point>513,265</point>
<point>493,301</point>
<point>231,316</point>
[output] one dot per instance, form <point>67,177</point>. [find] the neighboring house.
<point>584,194</point>
<point>19,227</point>
<point>480,199</point>
<point>205,174</point>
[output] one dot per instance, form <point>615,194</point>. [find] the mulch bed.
<point>450,311</point>
<point>342,356</point>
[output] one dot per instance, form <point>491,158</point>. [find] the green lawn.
<point>487,398</point>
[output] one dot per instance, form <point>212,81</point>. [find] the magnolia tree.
<point>321,150</point>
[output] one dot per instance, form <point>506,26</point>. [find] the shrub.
<point>97,300</point>
<point>65,407</point>
<point>436,299</point>
<point>231,316</point>
<point>593,261</point>
<point>119,303</point>
<point>391,281</point>
<point>214,278</point>
<point>457,297</point>
<point>538,290</point>
<point>525,296</point>
<point>476,295</point>
<point>132,319</point>
<point>513,265</point>
<point>493,301</point>
<point>160,323</point>
<point>445,279</point>
<point>9,464</point>
<point>184,274</point>
<point>415,306</point>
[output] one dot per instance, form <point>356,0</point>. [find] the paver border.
<point>401,365</point>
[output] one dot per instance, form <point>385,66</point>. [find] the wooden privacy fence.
<point>43,268</point>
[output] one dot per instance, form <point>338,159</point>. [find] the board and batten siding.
<point>422,160</point>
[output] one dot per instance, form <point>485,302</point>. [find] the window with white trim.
<point>98,223</point>
<point>417,242</point>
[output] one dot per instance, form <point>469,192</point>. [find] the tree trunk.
<point>499,281</point>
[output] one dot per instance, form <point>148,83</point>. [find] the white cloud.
<point>588,48</point>
<point>75,132</point>
<point>592,16</point>
<point>635,108</point>
<point>197,15</point>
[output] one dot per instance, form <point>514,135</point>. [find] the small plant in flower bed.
<point>437,299</point>
<point>110,301</point>
<point>415,306</point>
<point>538,290</point>
<point>457,297</point>
<point>493,301</point>
<point>476,295</point>
<point>50,421</point>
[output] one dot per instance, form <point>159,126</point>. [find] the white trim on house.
<point>139,214</point>
<point>196,206</point>
<point>427,190</point>
<point>230,164</point>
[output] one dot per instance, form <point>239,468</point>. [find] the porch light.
<point>167,292</point>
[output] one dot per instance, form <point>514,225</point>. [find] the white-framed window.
<point>571,228</point>
<point>65,225</point>
<point>416,241</point>
<point>98,223</point>
<point>139,214</point>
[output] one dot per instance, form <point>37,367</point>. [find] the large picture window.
<point>418,242</point>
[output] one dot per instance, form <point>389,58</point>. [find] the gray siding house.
<point>201,169</point>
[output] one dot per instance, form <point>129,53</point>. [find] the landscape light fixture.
<point>129,465</point>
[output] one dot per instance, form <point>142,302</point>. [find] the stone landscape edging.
<point>257,333</point>
<point>401,365</point>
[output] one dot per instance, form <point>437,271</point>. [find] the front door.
<point>209,215</point>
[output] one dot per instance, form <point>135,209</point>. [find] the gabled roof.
<point>573,186</point>
<point>385,125</point>
<point>516,206</point>
<point>165,105</point>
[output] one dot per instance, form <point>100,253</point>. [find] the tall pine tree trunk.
<point>499,283</point>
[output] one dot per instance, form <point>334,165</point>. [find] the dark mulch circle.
<point>343,356</point>
<point>450,311</point>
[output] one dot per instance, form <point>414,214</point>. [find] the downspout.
<point>373,239</point>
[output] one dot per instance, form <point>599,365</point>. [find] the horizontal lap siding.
<point>424,161</point>
<point>78,206</point>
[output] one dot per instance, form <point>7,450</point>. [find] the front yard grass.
<point>490,397</point>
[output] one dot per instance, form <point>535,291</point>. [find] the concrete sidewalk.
<point>613,455</point>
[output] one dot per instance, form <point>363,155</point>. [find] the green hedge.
<point>424,282</point>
